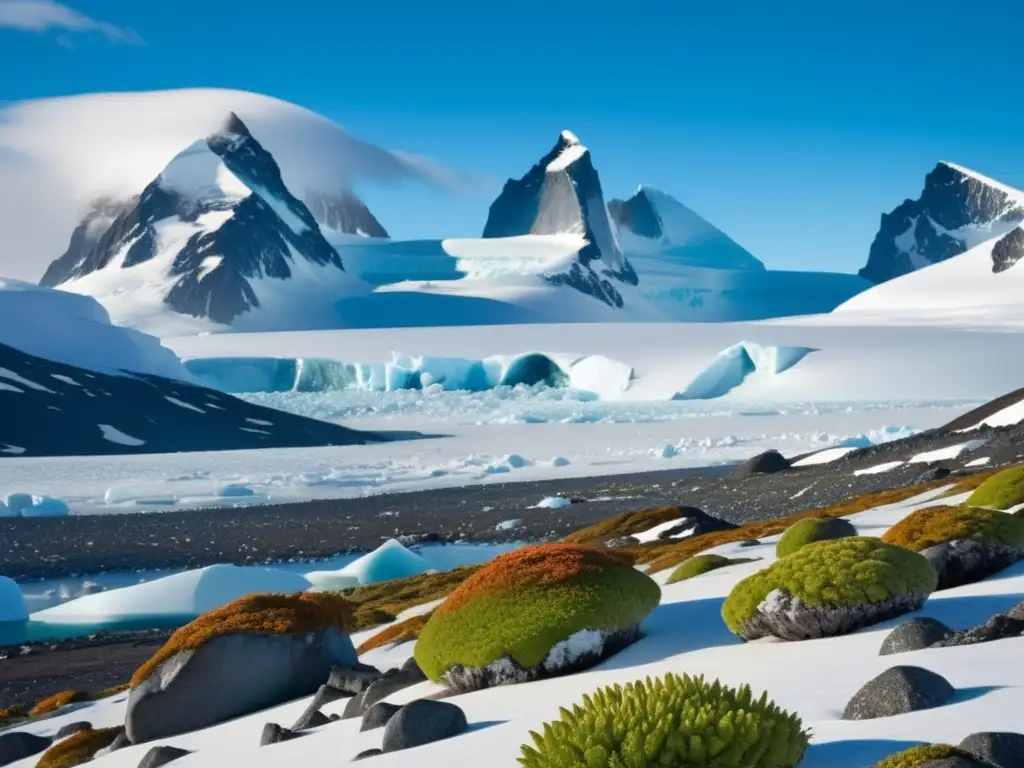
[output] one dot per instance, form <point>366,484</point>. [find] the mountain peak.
<point>569,138</point>
<point>233,126</point>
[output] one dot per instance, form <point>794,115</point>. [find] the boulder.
<point>368,753</point>
<point>393,681</point>
<point>897,691</point>
<point>421,722</point>
<point>353,680</point>
<point>17,745</point>
<point>70,728</point>
<point>120,742</point>
<point>965,561</point>
<point>999,627</point>
<point>325,694</point>
<point>353,708</point>
<point>914,635</point>
<point>767,463</point>
<point>378,715</point>
<point>274,734</point>
<point>162,755</point>
<point>201,678</point>
<point>999,750</point>
<point>934,473</point>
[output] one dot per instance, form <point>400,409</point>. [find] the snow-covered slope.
<point>957,210</point>
<point>216,236</point>
<point>561,195</point>
<point>653,222</point>
<point>985,282</point>
<point>121,141</point>
<point>76,330</point>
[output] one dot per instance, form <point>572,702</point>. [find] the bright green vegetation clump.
<point>919,755</point>
<point>1003,490</point>
<point>682,722</point>
<point>699,564</point>
<point>843,572</point>
<point>935,525</point>
<point>78,748</point>
<point>522,604</point>
<point>810,530</point>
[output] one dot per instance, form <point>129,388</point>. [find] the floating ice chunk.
<point>508,525</point>
<point>668,451</point>
<point>516,461</point>
<point>16,502</point>
<point>233,490</point>
<point>389,561</point>
<point>552,502</point>
<point>12,601</point>
<point>560,461</point>
<point>6,511</point>
<point>180,595</point>
<point>45,506</point>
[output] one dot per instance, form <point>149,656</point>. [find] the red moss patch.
<point>537,564</point>
<point>295,614</point>
<point>402,632</point>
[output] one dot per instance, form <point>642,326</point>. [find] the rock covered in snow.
<point>652,220</point>
<point>12,601</point>
<point>562,194</point>
<point>897,691</point>
<point>957,210</point>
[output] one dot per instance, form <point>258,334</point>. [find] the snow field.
<point>684,635</point>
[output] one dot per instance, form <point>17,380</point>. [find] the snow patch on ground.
<point>115,435</point>
<point>824,457</point>
<point>948,453</point>
<point>879,468</point>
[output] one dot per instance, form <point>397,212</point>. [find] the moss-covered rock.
<point>675,721</point>
<point>813,529</point>
<point>920,755</point>
<point>254,653</point>
<point>828,588</point>
<point>513,619</point>
<point>699,564</point>
<point>78,748</point>
<point>929,526</point>
<point>1003,490</point>
<point>963,544</point>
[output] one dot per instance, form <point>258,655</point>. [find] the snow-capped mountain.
<point>653,222</point>
<point>561,195</point>
<point>957,210</point>
<point>215,236</point>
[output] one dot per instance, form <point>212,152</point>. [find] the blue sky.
<point>790,124</point>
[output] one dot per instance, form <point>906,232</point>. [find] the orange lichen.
<point>78,748</point>
<point>380,603</point>
<point>56,701</point>
<point>112,691</point>
<point>401,632</point>
<point>14,712</point>
<point>934,525</point>
<point>537,564</point>
<point>259,615</point>
<point>623,525</point>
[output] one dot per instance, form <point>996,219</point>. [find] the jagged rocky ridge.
<point>53,409</point>
<point>241,224</point>
<point>562,194</point>
<point>345,213</point>
<point>957,210</point>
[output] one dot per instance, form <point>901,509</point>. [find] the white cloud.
<point>45,15</point>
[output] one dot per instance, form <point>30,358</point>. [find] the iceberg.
<point>389,561</point>
<point>12,601</point>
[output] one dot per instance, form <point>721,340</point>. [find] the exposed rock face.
<point>785,616</point>
<point>694,522</point>
<point>562,195</point>
<point>17,745</point>
<point>897,691</point>
<point>162,755</point>
<point>216,219</point>
<point>956,210</point>
<point>68,411</point>
<point>999,750</point>
<point>230,676</point>
<point>346,213</point>
<point>93,226</point>
<point>1008,250</point>
<point>966,561</point>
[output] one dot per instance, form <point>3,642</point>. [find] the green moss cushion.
<point>1003,490</point>
<point>813,529</point>
<point>521,605</point>
<point>677,722</point>
<point>828,588</point>
<point>698,564</point>
<point>935,525</point>
<point>920,755</point>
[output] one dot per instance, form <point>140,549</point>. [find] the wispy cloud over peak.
<point>46,15</point>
